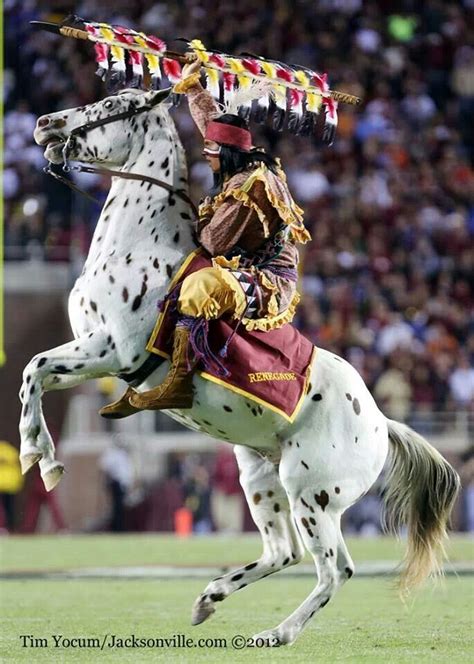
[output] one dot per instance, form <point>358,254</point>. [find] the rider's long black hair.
<point>233,160</point>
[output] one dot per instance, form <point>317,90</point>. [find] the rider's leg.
<point>206,294</point>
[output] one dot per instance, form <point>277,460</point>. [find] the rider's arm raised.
<point>202,106</point>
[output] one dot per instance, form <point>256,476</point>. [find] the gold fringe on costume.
<point>183,86</point>
<point>292,216</point>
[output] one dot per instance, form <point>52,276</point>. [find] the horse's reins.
<point>88,126</point>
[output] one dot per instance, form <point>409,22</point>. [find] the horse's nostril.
<point>42,122</point>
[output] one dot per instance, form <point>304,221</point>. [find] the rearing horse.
<point>298,478</point>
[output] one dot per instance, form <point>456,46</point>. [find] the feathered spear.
<point>298,93</point>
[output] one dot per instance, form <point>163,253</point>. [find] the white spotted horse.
<point>298,477</point>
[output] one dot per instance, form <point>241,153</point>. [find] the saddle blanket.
<point>269,368</point>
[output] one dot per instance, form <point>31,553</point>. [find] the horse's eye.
<point>108,104</point>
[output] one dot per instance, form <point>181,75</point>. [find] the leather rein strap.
<point>125,176</point>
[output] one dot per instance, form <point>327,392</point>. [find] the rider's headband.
<point>229,135</point>
<point>211,152</point>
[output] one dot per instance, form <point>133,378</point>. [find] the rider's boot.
<point>120,408</point>
<point>176,391</point>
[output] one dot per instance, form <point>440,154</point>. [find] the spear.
<point>77,33</point>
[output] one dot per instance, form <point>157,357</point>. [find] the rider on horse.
<point>249,226</point>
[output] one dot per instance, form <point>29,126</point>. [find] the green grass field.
<point>365,622</point>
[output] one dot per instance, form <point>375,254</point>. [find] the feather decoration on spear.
<point>298,93</point>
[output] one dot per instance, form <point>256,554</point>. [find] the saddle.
<point>270,369</point>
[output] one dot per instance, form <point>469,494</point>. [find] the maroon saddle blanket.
<point>268,368</point>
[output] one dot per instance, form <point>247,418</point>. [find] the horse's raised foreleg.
<point>87,357</point>
<point>270,510</point>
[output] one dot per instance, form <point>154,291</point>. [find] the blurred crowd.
<point>388,278</point>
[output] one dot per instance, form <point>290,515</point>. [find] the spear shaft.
<point>77,33</point>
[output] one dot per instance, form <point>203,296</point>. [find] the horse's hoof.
<point>28,460</point>
<point>52,476</point>
<point>268,639</point>
<point>201,611</point>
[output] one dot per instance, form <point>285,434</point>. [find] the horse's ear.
<point>160,96</point>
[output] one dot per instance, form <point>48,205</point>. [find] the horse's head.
<point>94,133</point>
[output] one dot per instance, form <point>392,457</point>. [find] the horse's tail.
<point>421,489</point>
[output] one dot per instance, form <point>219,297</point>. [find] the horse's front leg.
<point>87,357</point>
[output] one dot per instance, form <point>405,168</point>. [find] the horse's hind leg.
<point>320,530</point>
<point>270,510</point>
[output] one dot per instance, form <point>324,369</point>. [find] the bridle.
<point>82,130</point>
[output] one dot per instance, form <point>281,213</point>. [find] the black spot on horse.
<point>217,597</point>
<point>32,389</point>
<point>356,439</point>
<point>276,507</point>
<point>79,366</point>
<point>250,566</point>
<point>128,258</point>
<point>164,163</point>
<point>316,397</point>
<point>184,215</point>
<point>176,237</point>
<point>111,279</point>
<point>126,203</point>
<point>135,358</point>
<point>257,497</point>
<point>237,577</point>
<point>312,520</point>
<point>270,494</point>
<point>93,306</point>
<point>303,501</point>
<point>348,396</point>
<point>28,378</point>
<point>323,604</point>
<point>349,572</point>
<point>305,465</point>
<point>270,524</point>
<point>125,295</point>
<point>241,586</point>
<point>152,163</point>
<point>322,499</point>
<point>61,368</point>
<point>286,561</point>
<point>337,489</point>
<point>102,353</point>
<point>136,302</point>
<point>356,406</point>
<point>169,270</point>
<point>331,552</point>
<point>228,409</point>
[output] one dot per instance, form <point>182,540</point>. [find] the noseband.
<point>82,130</point>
